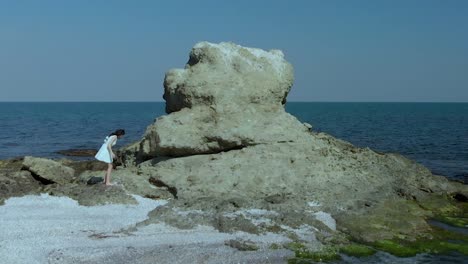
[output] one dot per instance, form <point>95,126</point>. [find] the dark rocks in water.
<point>94,180</point>
<point>78,152</point>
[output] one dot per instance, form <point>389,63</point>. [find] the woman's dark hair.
<point>118,132</point>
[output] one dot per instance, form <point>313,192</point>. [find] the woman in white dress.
<point>106,154</point>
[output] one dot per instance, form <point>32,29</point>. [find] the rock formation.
<point>16,182</point>
<point>228,143</point>
<point>48,171</point>
<point>227,97</point>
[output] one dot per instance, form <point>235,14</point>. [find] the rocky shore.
<point>229,158</point>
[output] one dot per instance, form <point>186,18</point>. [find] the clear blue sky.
<point>358,50</point>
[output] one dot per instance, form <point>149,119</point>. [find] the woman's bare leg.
<point>108,173</point>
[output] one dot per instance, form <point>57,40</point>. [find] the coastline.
<point>235,161</point>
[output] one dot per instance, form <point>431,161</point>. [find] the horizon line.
<point>292,101</point>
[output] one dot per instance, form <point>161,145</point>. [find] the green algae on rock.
<point>455,211</point>
<point>404,249</point>
<point>357,250</point>
<point>304,255</point>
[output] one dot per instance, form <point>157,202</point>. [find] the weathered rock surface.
<point>48,170</point>
<point>98,194</point>
<point>32,176</point>
<point>88,165</point>
<point>131,182</point>
<point>228,75</point>
<point>15,182</point>
<point>335,177</point>
<point>227,97</point>
<point>227,144</point>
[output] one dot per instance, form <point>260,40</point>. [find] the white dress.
<point>103,154</point>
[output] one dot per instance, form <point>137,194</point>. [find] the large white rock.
<point>228,75</point>
<point>227,97</point>
<point>203,130</point>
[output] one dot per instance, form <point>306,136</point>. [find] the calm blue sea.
<point>434,134</point>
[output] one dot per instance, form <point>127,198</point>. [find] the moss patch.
<point>458,216</point>
<point>303,255</point>
<point>390,227</point>
<point>440,204</point>
<point>442,242</point>
<point>357,250</point>
<point>395,248</point>
<point>385,220</point>
<point>434,247</point>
